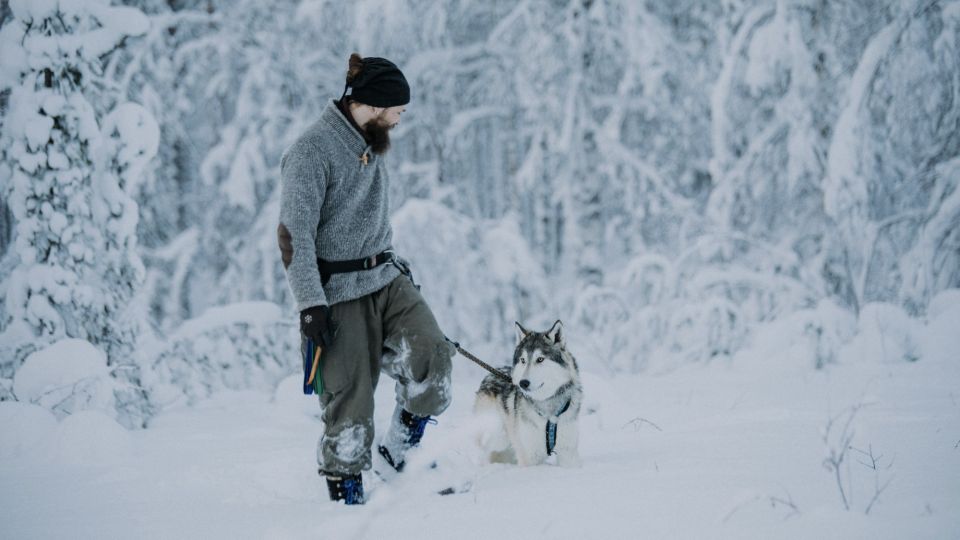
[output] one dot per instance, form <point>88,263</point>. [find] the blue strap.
<point>315,385</point>
<point>552,431</point>
<point>551,437</point>
<point>307,367</point>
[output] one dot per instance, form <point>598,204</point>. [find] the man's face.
<point>378,128</point>
<point>391,115</point>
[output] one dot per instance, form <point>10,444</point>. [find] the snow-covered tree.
<point>677,172</point>
<point>888,190</point>
<point>69,154</point>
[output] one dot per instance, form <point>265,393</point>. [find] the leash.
<point>405,270</point>
<point>550,432</point>
<point>479,362</point>
<point>327,268</point>
<point>310,368</point>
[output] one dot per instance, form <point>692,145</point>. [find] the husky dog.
<point>534,413</point>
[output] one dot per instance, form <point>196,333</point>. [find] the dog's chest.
<point>531,417</point>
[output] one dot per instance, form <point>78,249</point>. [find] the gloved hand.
<point>316,324</point>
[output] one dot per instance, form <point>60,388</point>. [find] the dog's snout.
<point>525,384</point>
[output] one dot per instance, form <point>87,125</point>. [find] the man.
<point>355,303</point>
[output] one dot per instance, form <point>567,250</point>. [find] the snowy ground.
<point>726,450</point>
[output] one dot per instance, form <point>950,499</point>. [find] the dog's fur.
<point>513,419</point>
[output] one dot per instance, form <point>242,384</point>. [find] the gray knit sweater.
<point>335,208</point>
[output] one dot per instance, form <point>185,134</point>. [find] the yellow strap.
<point>313,368</point>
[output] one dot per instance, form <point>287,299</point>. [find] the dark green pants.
<point>391,330</point>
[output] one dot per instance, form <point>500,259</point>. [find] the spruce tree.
<point>64,163</point>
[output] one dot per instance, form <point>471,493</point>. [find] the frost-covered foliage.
<point>666,177</point>
<point>676,172</point>
<point>69,376</point>
<point>476,293</point>
<point>236,346</point>
<point>68,153</point>
<point>231,92</point>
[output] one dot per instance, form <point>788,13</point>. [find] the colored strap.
<point>551,437</point>
<point>312,383</point>
<point>552,431</point>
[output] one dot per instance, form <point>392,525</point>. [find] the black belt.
<point>328,268</point>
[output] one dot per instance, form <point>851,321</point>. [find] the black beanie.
<point>378,82</point>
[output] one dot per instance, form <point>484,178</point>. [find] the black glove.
<point>316,324</point>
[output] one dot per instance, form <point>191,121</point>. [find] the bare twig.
<point>774,502</point>
<point>874,465</point>
<point>874,460</point>
<point>738,507</point>
<point>788,502</point>
<point>838,449</point>
<point>876,494</point>
<point>639,421</point>
<point>737,401</point>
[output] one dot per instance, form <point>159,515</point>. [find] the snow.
<point>26,429</point>
<point>842,192</point>
<point>90,438</point>
<point>137,138</point>
<point>886,334</point>
<point>746,221</point>
<point>37,130</point>
<point>723,450</point>
<point>122,20</point>
<point>251,313</point>
<point>945,305</point>
<point>12,60</point>
<point>58,367</point>
<point>766,54</point>
<point>26,10</point>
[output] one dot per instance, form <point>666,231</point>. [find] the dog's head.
<point>541,363</point>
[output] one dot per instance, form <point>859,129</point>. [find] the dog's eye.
<point>523,360</point>
<point>540,360</point>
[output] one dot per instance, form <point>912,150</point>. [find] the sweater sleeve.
<point>303,184</point>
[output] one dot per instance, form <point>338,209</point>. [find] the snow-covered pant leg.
<point>394,320</point>
<point>350,367</point>
<point>416,354</point>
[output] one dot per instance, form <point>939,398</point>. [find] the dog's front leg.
<point>569,458</point>
<point>524,440</point>
<point>519,445</point>
<point>568,446</point>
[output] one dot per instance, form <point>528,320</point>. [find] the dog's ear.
<point>521,332</point>
<point>555,334</point>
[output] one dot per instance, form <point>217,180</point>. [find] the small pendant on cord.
<point>364,158</point>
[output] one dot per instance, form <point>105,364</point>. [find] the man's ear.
<point>521,332</point>
<point>555,334</point>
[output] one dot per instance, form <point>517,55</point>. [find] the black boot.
<point>347,488</point>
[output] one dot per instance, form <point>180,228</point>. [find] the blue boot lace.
<point>348,489</point>
<point>415,426</point>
